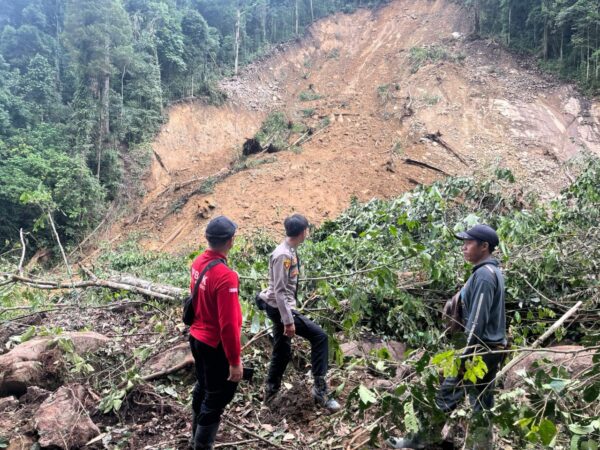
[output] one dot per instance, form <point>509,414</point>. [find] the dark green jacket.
<point>483,307</point>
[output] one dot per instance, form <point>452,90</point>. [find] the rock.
<point>63,419</point>
<point>20,443</point>
<point>575,363</point>
<point>8,404</point>
<point>35,394</point>
<point>362,348</point>
<point>23,366</point>
<point>175,356</point>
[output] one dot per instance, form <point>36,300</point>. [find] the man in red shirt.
<point>215,333</point>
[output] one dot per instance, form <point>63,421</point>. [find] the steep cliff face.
<point>395,97</point>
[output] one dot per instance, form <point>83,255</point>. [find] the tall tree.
<point>99,36</point>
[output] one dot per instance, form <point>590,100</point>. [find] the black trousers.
<point>282,345</point>
<point>212,392</point>
<point>481,394</point>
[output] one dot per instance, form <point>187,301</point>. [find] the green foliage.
<point>275,130</point>
<point>131,258</point>
<point>420,56</point>
<point>308,96</point>
<point>101,73</point>
<point>308,112</point>
<point>563,34</point>
<point>334,54</point>
<point>41,165</point>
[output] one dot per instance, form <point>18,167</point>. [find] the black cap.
<point>220,229</point>
<point>483,233</point>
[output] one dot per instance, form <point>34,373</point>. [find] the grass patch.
<point>307,96</point>
<point>308,112</point>
<point>430,99</point>
<point>419,56</point>
<point>276,130</point>
<point>334,54</point>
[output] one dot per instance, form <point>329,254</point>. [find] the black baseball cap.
<point>220,229</point>
<point>483,233</point>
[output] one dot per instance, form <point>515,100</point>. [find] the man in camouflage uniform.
<point>279,301</point>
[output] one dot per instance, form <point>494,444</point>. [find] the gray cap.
<point>483,233</point>
<point>220,228</point>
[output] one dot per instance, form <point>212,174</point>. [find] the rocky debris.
<point>177,356</point>
<point>21,443</point>
<point>63,420</point>
<point>575,361</point>
<point>26,364</point>
<point>205,208</point>
<point>35,394</point>
<point>8,404</point>
<point>246,92</point>
<point>364,348</point>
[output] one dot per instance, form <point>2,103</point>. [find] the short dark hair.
<point>295,225</point>
<point>491,247</point>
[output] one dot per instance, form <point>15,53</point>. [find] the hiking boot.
<point>319,393</point>
<point>405,442</point>
<point>205,435</point>
<point>271,390</point>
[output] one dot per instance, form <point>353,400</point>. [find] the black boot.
<point>271,390</point>
<point>204,437</point>
<point>194,418</point>
<point>320,395</point>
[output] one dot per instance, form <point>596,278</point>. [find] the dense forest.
<point>84,84</point>
<point>564,34</point>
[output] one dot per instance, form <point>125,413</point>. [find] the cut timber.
<point>160,161</point>
<point>549,332</point>
<point>176,233</point>
<point>149,291</point>
<point>437,137</point>
<point>414,162</point>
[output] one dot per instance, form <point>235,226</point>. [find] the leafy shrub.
<point>307,96</point>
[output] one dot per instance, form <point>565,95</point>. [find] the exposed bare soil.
<point>491,108</point>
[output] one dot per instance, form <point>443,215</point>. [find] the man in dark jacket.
<point>484,317</point>
<point>215,333</point>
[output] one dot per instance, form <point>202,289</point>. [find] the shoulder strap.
<point>209,266</point>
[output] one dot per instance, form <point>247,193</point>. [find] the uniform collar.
<point>285,242</point>
<point>489,260</point>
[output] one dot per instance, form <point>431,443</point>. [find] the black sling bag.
<point>188,303</point>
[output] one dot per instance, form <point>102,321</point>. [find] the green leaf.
<point>589,445</point>
<point>592,393</point>
<point>410,419</point>
<point>547,431</point>
<point>577,428</point>
<point>366,396</point>
<point>475,369</point>
<point>27,335</point>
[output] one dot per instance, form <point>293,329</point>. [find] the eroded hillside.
<point>407,96</point>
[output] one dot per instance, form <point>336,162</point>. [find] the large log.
<point>122,283</point>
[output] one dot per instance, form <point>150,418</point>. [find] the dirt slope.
<point>381,99</point>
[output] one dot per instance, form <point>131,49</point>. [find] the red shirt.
<point>218,314</point>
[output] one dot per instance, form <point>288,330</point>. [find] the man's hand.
<point>290,330</point>
<point>235,373</point>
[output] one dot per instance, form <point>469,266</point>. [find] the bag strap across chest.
<point>209,266</point>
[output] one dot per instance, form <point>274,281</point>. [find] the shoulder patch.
<point>287,263</point>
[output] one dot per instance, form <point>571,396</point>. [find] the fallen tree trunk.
<point>123,283</point>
